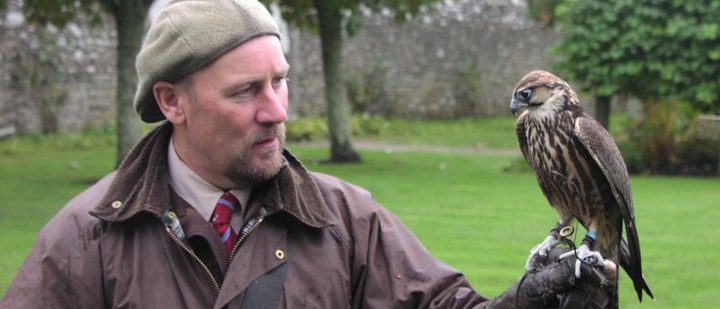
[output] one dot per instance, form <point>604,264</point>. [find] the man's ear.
<point>168,97</point>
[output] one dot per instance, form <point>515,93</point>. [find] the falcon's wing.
<point>606,154</point>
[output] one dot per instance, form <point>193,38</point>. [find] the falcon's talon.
<point>541,249</point>
<point>585,256</point>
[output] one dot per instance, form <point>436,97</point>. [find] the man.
<point>210,211</point>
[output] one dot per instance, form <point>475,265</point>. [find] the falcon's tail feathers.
<point>632,268</point>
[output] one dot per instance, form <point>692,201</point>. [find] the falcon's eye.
<point>525,94</point>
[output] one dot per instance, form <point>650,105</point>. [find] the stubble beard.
<point>250,169</point>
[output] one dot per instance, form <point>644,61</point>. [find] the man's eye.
<point>244,92</point>
<point>277,82</point>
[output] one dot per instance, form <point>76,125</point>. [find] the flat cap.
<point>190,34</point>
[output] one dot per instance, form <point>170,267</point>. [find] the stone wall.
<point>55,80</point>
<point>460,59</point>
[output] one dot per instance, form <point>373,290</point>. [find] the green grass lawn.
<point>496,133</point>
<point>483,221</point>
<point>463,207</point>
<point>479,133</point>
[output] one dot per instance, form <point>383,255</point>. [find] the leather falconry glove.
<point>552,284</point>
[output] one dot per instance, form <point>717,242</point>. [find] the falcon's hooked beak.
<point>517,105</point>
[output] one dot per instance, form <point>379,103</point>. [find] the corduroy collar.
<point>141,185</point>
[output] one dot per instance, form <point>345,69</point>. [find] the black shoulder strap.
<point>264,292</point>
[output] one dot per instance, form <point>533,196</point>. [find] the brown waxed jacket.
<point>109,248</point>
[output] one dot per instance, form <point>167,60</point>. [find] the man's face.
<point>234,110</point>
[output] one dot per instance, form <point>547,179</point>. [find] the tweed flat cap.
<point>187,36</point>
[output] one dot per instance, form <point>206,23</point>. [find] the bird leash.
<point>563,235</point>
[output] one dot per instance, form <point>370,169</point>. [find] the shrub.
<point>306,129</point>
<point>315,128</point>
<point>467,82</point>
<point>665,142</point>
<point>367,89</point>
<point>367,125</point>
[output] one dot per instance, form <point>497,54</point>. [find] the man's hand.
<point>552,284</point>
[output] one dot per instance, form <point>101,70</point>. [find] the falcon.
<point>581,173</point>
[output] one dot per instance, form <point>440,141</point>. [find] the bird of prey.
<point>581,172</point>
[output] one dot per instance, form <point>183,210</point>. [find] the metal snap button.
<point>116,204</point>
<point>279,254</point>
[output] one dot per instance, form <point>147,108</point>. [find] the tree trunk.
<point>130,22</point>
<point>602,111</point>
<point>330,23</point>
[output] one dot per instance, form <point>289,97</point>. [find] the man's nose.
<point>274,106</point>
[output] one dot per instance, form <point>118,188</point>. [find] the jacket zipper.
<point>196,258</point>
<point>246,230</point>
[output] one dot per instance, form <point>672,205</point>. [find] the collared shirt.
<point>199,193</point>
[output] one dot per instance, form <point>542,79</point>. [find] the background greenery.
<point>655,50</point>
<point>463,207</point>
<point>663,53</point>
<point>485,133</point>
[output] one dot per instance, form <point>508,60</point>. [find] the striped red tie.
<point>221,219</point>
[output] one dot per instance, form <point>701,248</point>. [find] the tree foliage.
<point>302,13</point>
<point>543,10</point>
<point>650,49</point>
<point>664,52</point>
<point>59,12</point>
